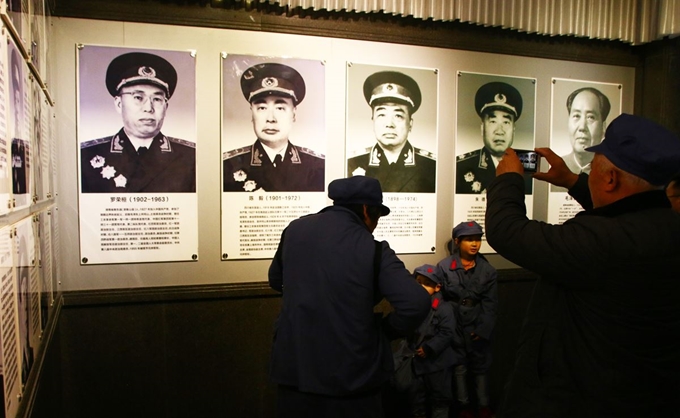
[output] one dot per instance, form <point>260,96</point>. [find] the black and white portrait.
<point>273,137</point>
<point>17,113</point>
<point>391,126</point>
<point>137,121</point>
<point>581,111</point>
<point>494,113</point>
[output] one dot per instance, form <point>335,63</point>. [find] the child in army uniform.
<point>432,346</point>
<point>469,284</point>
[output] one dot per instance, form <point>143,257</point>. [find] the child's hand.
<point>421,353</point>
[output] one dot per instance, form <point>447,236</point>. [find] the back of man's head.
<point>641,148</point>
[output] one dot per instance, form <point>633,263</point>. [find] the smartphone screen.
<point>530,160</point>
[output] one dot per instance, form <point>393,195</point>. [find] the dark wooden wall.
<point>192,352</point>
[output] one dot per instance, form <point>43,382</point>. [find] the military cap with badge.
<point>136,68</point>
<point>392,86</point>
<point>498,95</point>
<point>272,79</point>
<point>429,271</point>
<point>466,228</point>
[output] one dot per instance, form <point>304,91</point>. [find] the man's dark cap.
<point>272,79</point>
<point>642,148</point>
<point>357,190</point>
<point>428,271</point>
<point>498,96</point>
<point>392,86</point>
<point>467,228</point>
<point>137,68</point>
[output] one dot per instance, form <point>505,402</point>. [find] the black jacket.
<point>600,336</point>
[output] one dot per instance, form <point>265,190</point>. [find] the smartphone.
<point>530,160</point>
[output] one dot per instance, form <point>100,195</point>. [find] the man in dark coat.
<point>331,355</point>
<point>399,166</point>
<point>498,105</point>
<point>599,339</point>
<point>273,163</point>
<point>139,158</point>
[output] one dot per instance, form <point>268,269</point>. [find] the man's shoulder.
<point>310,152</point>
<point>237,152</point>
<point>468,156</point>
<point>182,142</point>
<point>357,164</point>
<point>96,142</point>
<point>424,154</point>
<point>360,153</point>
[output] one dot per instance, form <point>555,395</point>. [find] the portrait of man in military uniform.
<point>499,106</point>
<point>273,163</point>
<point>20,144</point>
<point>139,158</point>
<point>394,97</point>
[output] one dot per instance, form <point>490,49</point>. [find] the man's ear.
<point>117,102</point>
<point>367,219</point>
<point>612,180</point>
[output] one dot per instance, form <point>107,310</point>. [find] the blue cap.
<point>428,271</point>
<point>467,228</point>
<point>360,190</point>
<point>642,148</point>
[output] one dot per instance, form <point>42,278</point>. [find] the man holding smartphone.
<point>596,339</point>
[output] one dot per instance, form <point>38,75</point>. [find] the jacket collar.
<point>640,201</point>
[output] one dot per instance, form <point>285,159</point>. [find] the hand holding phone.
<point>530,160</point>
